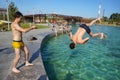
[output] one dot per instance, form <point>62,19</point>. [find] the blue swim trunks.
<point>86,28</point>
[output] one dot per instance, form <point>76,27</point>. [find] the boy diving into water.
<point>77,38</point>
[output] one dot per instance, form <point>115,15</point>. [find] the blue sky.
<point>83,8</point>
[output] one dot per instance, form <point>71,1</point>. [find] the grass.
<point>40,26</point>
<point>27,25</point>
<point>106,23</point>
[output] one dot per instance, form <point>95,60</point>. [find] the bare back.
<point>17,35</point>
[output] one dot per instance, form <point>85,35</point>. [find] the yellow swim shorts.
<point>17,44</point>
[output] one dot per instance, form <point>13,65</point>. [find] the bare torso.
<point>17,35</point>
<point>78,36</point>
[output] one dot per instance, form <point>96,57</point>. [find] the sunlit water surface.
<point>95,60</point>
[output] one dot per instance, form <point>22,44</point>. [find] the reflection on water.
<point>96,60</point>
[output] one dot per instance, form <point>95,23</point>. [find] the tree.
<point>1,16</point>
<point>115,17</point>
<point>12,9</point>
<point>105,19</point>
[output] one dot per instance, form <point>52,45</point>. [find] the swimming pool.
<point>96,60</point>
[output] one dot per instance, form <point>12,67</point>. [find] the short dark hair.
<point>72,45</point>
<point>18,14</point>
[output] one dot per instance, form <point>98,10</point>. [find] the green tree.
<point>1,16</point>
<point>115,17</point>
<point>12,9</point>
<point>105,19</point>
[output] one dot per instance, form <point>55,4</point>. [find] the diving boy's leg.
<point>94,35</point>
<point>16,60</point>
<point>97,34</point>
<point>25,49</point>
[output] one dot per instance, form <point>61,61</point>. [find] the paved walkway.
<point>36,72</point>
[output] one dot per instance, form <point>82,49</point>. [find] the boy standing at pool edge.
<point>77,38</point>
<point>18,43</point>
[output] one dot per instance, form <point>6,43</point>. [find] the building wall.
<point>42,18</point>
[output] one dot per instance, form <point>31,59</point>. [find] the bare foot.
<point>28,64</point>
<point>15,70</point>
<point>101,35</point>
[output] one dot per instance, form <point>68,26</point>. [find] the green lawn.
<point>26,25</point>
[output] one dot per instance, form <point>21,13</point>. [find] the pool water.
<point>95,60</point>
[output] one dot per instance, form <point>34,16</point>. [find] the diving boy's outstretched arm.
<point>92,22</point>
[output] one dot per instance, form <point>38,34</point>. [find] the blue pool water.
<point>96,60</point>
